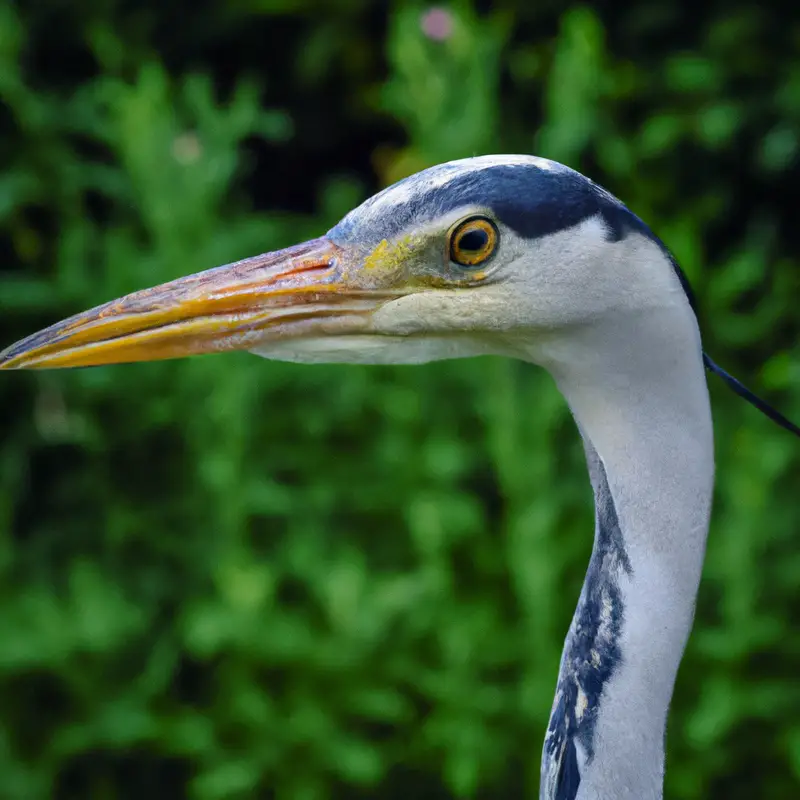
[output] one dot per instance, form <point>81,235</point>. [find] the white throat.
<point>636,386</point>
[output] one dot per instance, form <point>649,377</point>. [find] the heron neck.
<point>640,399</point>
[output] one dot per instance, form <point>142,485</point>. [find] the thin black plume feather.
<point>737,386</point>
<point>740,389</point>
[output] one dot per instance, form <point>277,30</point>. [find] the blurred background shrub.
<point>227,578</point>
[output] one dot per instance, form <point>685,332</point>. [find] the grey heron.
<point>515,256</point>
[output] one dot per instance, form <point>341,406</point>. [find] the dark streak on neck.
<point>591,651</point>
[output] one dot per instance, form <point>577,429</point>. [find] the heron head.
<point>470,257</point>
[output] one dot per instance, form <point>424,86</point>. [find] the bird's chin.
<point>369,349</point>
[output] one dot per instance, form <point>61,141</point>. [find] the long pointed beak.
<point>235,307</point>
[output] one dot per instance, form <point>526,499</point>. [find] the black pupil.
<point>473,241</point>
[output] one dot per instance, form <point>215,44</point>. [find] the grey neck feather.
<point>637,389</point>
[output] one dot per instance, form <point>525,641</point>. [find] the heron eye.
<point>472,242</point>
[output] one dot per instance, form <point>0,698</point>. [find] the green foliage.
<point>228,578</point>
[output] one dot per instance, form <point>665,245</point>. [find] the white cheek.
<point>465,311</point>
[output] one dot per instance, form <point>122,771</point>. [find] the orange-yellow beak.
<point>303,290</point>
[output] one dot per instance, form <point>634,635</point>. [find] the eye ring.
<point>473,241</point>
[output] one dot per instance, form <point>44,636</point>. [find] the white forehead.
<point>486,162</point>
<point>440,175</point>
